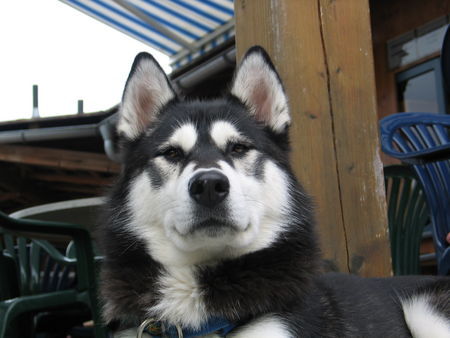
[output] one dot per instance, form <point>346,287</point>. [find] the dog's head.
<point>206,179</point>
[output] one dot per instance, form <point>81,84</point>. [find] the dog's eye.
<point>172,153</point>
<point>239,148</point>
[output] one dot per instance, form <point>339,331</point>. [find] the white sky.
<point>70,55</point>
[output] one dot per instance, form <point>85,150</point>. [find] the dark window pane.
<point>418,94</point>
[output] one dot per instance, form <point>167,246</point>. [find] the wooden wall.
<point>391,18</point>
<point>323,51</point>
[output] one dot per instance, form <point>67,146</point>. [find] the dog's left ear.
<point>258,85</point>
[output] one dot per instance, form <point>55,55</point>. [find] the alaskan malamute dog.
<point>208,232</point>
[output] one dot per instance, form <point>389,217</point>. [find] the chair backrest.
<point>423,140</point>
<point>407,216</point>
<point>40,268</point>
<point>38,265</point>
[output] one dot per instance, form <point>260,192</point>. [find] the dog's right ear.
<point>147,90</point>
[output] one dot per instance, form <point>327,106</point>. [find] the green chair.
<point>30,285</point>
<point>407,216</point>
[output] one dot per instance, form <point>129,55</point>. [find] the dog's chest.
<point>181,298</point>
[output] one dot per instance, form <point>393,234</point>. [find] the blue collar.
<point>219,326</point>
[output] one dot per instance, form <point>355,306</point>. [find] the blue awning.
<point>182,29</point>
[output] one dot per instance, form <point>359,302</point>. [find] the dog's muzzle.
<point>209,188</point>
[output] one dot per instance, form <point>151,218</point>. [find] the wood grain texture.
<point>58,158</point>
<point>302,38</point>
<point>348,45</point>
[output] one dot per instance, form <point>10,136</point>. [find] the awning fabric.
<point>182,29</point>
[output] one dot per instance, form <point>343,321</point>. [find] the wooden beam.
<point>8,196</point>
<point>322,50</point>
<point>11,178</point>
<point>70,188</point>
<point>58,158</point>
<point>74,179</point>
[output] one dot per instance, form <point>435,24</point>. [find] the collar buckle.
<point>155,328</point>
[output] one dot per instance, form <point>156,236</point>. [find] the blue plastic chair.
<point>423,140</point>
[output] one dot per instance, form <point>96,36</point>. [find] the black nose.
<point>209,188</point>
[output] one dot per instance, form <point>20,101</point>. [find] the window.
<point>420,88</point>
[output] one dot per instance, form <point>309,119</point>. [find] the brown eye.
<point>173,154</point>
<point>239,148</point>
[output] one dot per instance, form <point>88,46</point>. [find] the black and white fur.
<point>246,250</point>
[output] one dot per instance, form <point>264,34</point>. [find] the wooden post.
<point>322,50</point>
